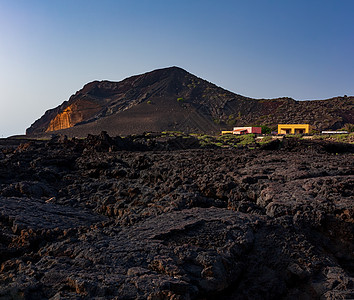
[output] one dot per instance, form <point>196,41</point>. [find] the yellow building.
<point>293,128</point>
<point>226,132</point>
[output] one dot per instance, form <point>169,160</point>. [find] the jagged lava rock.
<point>147,217</point>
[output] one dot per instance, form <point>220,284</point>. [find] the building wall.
<point>226,132</point>
<point>257,130</point>
<point>293,128</point>
<point>237,130</point>
<point>249,129</point>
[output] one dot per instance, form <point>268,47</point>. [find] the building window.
<point>299,131</point>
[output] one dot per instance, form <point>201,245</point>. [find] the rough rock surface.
<point>152,218</point>
<point>173,99</point>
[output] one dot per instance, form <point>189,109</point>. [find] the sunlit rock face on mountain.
<point>74,114</point>
<point>173,99</point>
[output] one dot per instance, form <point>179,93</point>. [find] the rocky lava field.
<point>164,218</point>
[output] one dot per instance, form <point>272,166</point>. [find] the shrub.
<point>180,100</point>
<point>349,127</point>
<point>247,139</point>
<point>231,120</point>
<point>340,137</point>
<point>265,140</point>
<point>266,129</point>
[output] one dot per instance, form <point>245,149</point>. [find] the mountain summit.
<point>173,99</point>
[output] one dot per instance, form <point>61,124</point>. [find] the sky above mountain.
<point>256,48</point>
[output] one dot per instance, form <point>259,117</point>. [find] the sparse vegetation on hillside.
<point>247,139</point>
<point>340,138</point>
<point>349,127</point>
<point>213,107</point>
<point>230,141</point>
<point>251,141</point>
<point>265,140</point>
<point>266,129</point>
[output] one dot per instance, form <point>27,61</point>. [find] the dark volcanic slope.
<point>173,99</point>
<point>167,99</point>
<point>87,219</point>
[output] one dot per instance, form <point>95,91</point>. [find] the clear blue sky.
<point>49,49</point>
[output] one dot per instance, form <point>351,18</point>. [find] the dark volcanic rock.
<point>38,215</point>
<point>173,99</point>
<point>156,217</point>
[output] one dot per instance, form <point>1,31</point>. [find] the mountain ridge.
<point>173,99</point>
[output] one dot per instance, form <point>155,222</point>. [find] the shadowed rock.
<point>160,217</point>
<point>173,99</point>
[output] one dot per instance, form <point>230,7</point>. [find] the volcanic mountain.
<point>173,99</point>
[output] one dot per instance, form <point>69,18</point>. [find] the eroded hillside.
<point>173,99</point>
